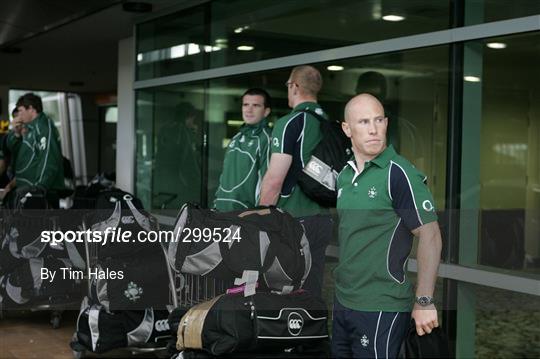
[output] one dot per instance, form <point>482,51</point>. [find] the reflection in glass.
<point>172,44</point>
<point>509,154</point>
<point>482,11</point>
<point>229,32</point>
<point>169,146</point>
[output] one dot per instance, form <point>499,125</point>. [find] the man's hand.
<point>18,128</point>
<point>425,318</point>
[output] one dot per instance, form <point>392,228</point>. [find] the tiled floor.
<point>30,335</point>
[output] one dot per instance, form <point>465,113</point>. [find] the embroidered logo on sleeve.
<point>275,142</point>
<point>428,206</point>
<point>42,143</point>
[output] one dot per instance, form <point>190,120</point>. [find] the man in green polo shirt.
<point>247,155</point>
<point>294,138</point>
<point>383,202</point>
<point>38,160</point>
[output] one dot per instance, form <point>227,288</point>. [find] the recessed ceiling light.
<point>193,49</point>
<point>238,30</point>
<point>221,41</point>
<point>245,48</point>
<point>471,78</point>
<point>496,45</point>
<point>139,57</point>
<point>335,68</point>
<point>393,18</point>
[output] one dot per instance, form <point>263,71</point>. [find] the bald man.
<point>294,138</point>
<point>383,203</point>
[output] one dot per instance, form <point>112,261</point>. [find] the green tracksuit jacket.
<point>245,163</point>
<point>38,156</point>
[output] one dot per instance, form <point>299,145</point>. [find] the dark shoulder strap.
<point>316,115</point>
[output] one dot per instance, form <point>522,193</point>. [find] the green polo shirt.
<point>297,134</point>
<point>244,165</point>
<point>38,156</point>
<point>378,208</point>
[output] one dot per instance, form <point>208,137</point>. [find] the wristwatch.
<point>424,300</point>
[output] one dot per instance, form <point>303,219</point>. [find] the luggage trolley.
<point>192,289</point>
<point>14,219</point>
<point>92,260</point>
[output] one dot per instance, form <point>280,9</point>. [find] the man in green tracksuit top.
<point>246,158</point>
<point>38,159</point>
<point>294,138</point>
<point>383,203</point>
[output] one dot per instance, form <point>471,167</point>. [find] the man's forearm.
<point>269,193</point>
<point>428,258</point>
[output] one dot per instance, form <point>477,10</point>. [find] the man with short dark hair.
<point>383,203</point>
<point>247,155</point>
<point>38,159</point>
<point>294,138</point>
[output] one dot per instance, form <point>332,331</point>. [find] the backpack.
<point>27,198</point>
<point>319,176</point>
<point>265,239</point>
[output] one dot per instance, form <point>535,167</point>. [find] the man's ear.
<point>346,129</point>
<point>267,111</point>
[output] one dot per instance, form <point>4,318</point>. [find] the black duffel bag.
<point>265,239</point>
<point>100,331</point>
<point>122,212</point>
<point>232,323</point>
<point>132,283</point>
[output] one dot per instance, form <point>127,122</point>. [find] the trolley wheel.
<point>55,319</point>
<point>78,355</point>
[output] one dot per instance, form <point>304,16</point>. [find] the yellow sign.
<point>4,126</point>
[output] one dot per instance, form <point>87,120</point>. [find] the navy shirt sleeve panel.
<point>403,201</point>
<point>292,133</point>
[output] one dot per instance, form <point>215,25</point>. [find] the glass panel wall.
<point>225,32</point>
<point>412,85</point>
<point>169,132</point>
<point>173,44</point>
<point>504,89</point>
<point>481,11</point>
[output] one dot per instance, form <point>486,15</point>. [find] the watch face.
<point>424,300</point>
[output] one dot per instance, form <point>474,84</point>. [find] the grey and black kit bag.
<point>266,240</point>
<point>264,322</point>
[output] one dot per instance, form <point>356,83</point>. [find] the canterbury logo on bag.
<point>295,323</point>
<point>162,325</point>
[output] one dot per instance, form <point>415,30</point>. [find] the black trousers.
<point>357,334</point>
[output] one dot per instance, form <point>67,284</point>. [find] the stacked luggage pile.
<point>129,283</point>
<point>229,284</point>
<point>23,255</point>
<point>267,314</point>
